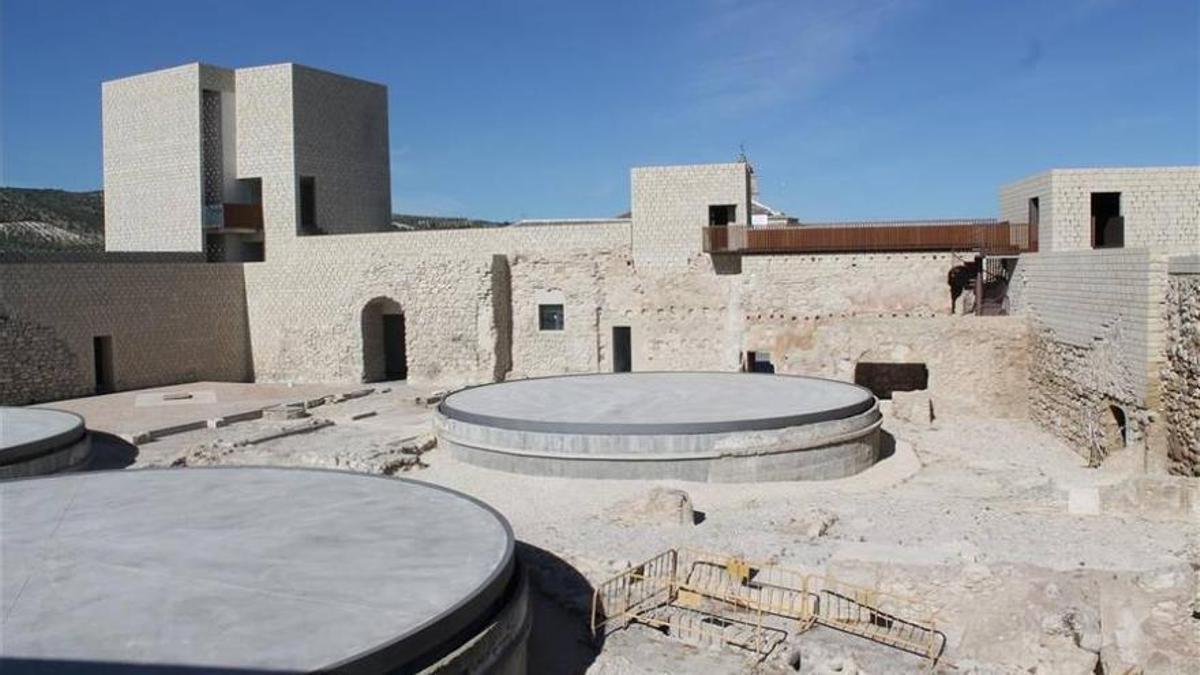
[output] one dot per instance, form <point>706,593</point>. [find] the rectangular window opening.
<point>550,317</point>
<point>1035,211</point>
<point>308,202</point>
<point>884,378</point>
<point>720,215</point>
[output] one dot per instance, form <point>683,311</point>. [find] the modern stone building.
<point>249,238</point>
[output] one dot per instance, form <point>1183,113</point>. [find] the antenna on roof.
<point>742,153</point>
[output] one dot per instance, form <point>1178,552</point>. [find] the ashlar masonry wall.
<point>1097,339</point>
<point>169,323</point>
<point>1161,206</point>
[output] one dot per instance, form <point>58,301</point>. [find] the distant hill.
<point>410,222</point>
<point>59,220</point>
<point>51,220</point>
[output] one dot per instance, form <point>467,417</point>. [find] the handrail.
<point>987,237</point>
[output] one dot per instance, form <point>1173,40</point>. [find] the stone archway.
<point>384,341</point>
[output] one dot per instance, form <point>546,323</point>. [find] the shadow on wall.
<point>561,601</point>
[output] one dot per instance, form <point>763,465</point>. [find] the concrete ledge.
<point>819,451</point>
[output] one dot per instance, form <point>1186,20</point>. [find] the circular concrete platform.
<point>255,569</point>
<point>721,427</point>
<point>35,441</point>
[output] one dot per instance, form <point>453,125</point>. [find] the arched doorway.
<point>384,341</point>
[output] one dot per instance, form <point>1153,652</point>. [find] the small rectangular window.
<point>550,317</point>
<point>722,214</point>
<point>308,202</point>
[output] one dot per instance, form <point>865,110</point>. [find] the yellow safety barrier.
<point>710,598</point>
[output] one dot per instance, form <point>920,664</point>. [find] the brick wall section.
<point>169,323</point>
<point>152,199</point>
<point>341,139</point>
<point>670,206</point>
<point>266,146</point>
<point>1181,366</point>
<point>1161,206</point>
<point>1097,340</point>
<point>1014,205</point>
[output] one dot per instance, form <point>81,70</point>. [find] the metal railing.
<point>717,599</point>
<point>987,237</point>
<point>243,216</point>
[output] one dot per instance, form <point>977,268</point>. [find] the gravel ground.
<point>969,515</point>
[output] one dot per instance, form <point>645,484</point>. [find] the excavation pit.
<point>716,427</point>
<point>256,570</point>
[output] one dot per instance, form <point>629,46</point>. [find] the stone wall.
<point>341,140</point>
<point>1161,206</point>
<point>1097,339</point>
<point>670,208</point>
<point>1181,368</point>
<point>169,323</point>
<point>814,315</point>
<point>305,301</point>
<point>152,199</point>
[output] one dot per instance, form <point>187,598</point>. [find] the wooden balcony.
<point>987,237</point>
<point>242,217</point>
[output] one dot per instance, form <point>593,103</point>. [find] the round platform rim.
<point>45,444</point>
<point>368,659</point>
<point>446,409</point>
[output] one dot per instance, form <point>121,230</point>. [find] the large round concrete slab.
<point>35,441</point>
<point>718,427</point>
<point>657,403</point>
<point>245,568</point>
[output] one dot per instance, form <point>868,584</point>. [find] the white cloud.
<point>764,52</point>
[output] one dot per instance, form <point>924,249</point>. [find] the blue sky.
<point>505,110</point>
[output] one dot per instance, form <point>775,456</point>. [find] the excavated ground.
<point>1033,562</point>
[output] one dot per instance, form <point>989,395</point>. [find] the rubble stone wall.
<point>1096,344</point>
<point>169,323</point>
<point>305,301</point>
<point>1181,367</point>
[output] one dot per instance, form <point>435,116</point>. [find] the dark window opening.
<point>622,350</point>
<point>1108,227</point>
<point>1035,211</point>
<point>308,202</point>
<point>720,215</point>
<point>758,362</point>
<point>103,358</point>
<point>550,317</point>
<point>884,378</point>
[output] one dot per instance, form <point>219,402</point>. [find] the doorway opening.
<point>758,362</point>
<point>1108,227</point>
<point>884,378</point>
<point>622,349</point>
<point>103,360</point>
<point>384,340</point>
